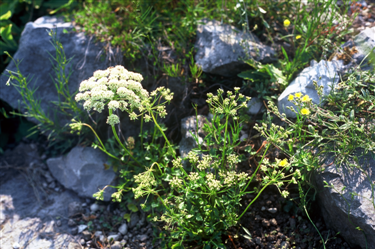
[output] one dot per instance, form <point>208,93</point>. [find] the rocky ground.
<point>37,212</point>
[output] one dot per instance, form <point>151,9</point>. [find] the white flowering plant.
<point>119,91</point>
<point>201,200</point>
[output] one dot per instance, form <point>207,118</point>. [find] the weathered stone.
<point>221,48</point>
<point>255,106</point>
<point>123,229</point>
<point>82,170</point>
<point>348,203</point>
<point>31,233</point>
<point>364,42</point>
<point>189,127</point>
<point>325,73</point>
<point>34,48</point>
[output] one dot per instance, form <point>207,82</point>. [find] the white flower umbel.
<point>116,88</point>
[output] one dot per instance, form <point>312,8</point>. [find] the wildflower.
<point>298,37</point>
<point>193,157</point>
<point>286,23</point>
<point>205,163</point>
<point>113,119</point>
<point>177,163</point>
<point>306,98</point>
<point>193,176</point>
<point>305,111</point>
<point>290,97</point>
<point>283,163</point>
<point>147,118</point>
<point>133,116</point>
<point>237,6</point>
<point>212,183</point>
<point>113,105</point>
<point>284,193</point>
<point>298,95</point>
<point>176,183</point>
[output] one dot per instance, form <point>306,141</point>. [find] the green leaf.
<point>61,7</point>
<point>199,217</point>
<point>6,16</point>
<point>351,116</point>
<point>6,34</point>
<point>132,207</point>
<point>127,217</point>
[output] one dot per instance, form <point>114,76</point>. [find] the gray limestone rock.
<point>364,42</point>
<point>34,48</point>
<point>255,106</point>
<point>325,73</point>
<point>348,203</point>
<point>82,170</point>
<point>221,48</point>
<point>189,127</point>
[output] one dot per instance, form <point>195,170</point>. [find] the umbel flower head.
<point>116,88</point>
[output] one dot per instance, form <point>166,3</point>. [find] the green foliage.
<point>340,128</point>
<point>266,80</point>
<point>310,33</point>
<point>65,105</point>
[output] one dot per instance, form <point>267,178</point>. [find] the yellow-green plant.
<point>199,202</point>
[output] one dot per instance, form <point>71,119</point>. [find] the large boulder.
<point>348,203</point>
<point>325,73</point>
<point>34,51</point>
<point>83,171</point>
<point>221,48</point>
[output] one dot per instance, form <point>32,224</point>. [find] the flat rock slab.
<point>349,204</point>
<point>30,222</point>
<point>221,48</point>
<point>82,170</point>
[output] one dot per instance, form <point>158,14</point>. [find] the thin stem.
<point>119,141</point>
<point>254,199</point>
<point>162,132</point>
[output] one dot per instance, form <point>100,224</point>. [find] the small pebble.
<point>81,228</point>
<point>98,233</point>
<point>116,245</point>
<point>143,237</point>
<point>57,189</point>
<point>114,237</point>
<point>263,208</point>
<point>86,235</point>
<point>71,223</point>
<point>273,222</point>
<point>16,245</point>
<point>52,185</point>
<point>74,231</point>
<point>58,223</point>
<point>94,207</point>
<point>83,242</point>
<point>258,241</point>
<point>123,229</point>
<point>84,205</point>
<point>272,210</point>
<point>102,238</point>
